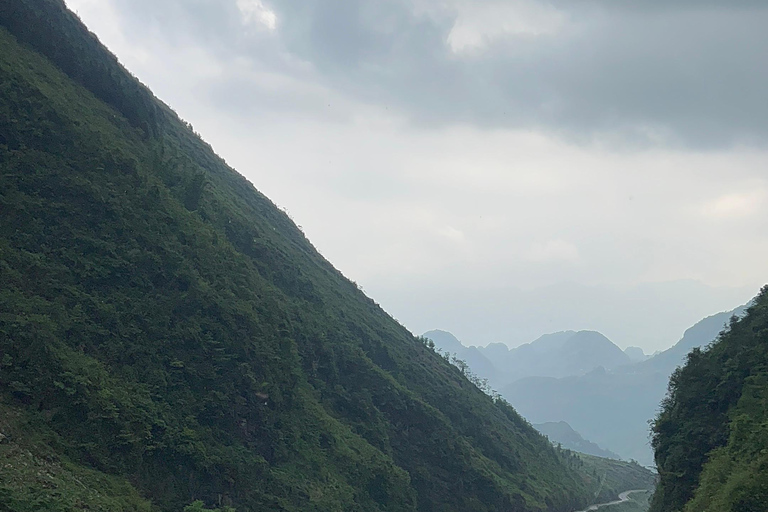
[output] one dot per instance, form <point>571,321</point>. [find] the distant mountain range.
<point>559,354</point>
<point>582,378</point>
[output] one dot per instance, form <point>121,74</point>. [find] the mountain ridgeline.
<point>559,354</point>
<point>168,335</point>
<point>711,436</point>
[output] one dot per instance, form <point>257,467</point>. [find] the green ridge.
<point>172,336</point>
<point>711,436</point>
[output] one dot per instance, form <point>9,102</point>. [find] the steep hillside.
<point>711,436</point>
<point>168,335</point>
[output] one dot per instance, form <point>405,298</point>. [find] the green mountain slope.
<point>35,477</point>
<point>711,436</point>
<point>167,334</point>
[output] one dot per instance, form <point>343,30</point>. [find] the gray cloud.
<point>682,73</point>
<point>487,152</point>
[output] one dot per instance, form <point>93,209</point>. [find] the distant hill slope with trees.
<point>168,335</point>
<point>560,432</point>
<point>711,436</point>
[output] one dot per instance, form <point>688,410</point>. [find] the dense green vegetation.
<point>170,339</point>
<point>711,436</point>
<point>35,477</point>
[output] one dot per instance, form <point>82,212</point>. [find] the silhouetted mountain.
<point>559,355</point>
<point>561,433</point>
<point>636,354</point>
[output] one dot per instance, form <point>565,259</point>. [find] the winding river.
<point>622,498</point>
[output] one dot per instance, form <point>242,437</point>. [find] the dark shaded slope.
<point>170,325</point>
<point>711,436</point>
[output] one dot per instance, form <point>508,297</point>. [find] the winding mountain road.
<point>622,498</point>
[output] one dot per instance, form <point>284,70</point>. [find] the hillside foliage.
<point>711,436</point>
<point>173,339</point>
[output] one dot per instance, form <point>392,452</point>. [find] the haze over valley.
<point>587,382</point>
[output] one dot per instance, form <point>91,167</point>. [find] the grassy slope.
<point>34,477</point>
<point>711,437</point>
<point>166,324</point>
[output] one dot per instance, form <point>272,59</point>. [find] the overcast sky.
<point>498,169</point>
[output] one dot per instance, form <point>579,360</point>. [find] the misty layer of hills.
<point>563,434</point>
<point>553,355</point>
<point>606,395</point>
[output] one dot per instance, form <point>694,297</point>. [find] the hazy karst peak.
<point>636,354</point>
<point>594,349</point>
<point>555,354</point>
<point>496,351</point>
<point>561,354</point>
<point>551,341</point>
